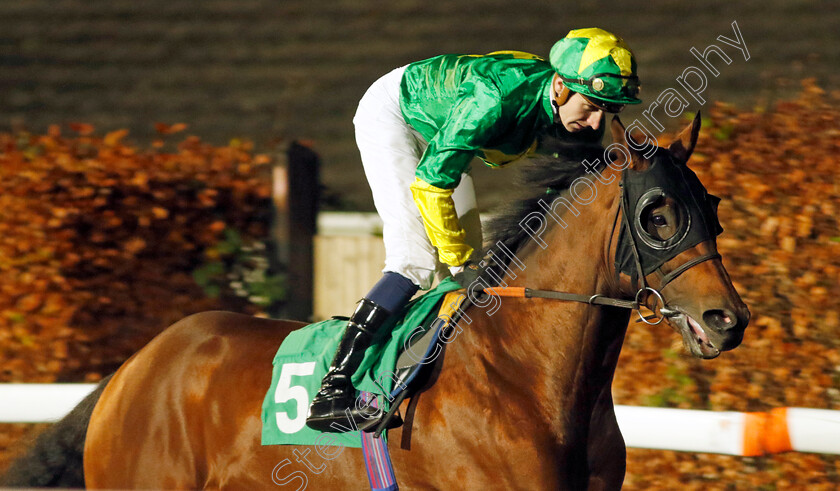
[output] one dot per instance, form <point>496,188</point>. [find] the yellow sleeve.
<point>441,222</point>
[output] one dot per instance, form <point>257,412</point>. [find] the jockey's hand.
<point>467,273</point>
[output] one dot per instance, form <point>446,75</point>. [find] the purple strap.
<point>377,459</point>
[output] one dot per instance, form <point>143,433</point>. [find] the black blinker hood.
<point>663,177</point>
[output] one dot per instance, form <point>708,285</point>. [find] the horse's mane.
<point>542,177</point>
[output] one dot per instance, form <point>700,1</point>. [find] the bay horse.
<point>524,397</point>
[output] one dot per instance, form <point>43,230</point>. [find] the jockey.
<point>419,126</point>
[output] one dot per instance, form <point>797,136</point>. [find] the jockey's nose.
<point>594,119</point>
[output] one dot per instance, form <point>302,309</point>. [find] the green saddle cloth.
<point>303,360</point>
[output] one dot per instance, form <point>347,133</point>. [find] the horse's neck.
<point>563,354</point>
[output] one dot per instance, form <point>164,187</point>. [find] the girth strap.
<point>380,470</point>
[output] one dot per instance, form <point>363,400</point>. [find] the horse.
<point>523,400</point>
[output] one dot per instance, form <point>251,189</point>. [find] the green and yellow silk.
<point>488,106</point>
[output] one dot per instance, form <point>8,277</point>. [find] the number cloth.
<point>304,357</point>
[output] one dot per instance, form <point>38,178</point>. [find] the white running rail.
<point>688,430</point>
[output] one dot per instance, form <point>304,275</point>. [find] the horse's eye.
<point>659,220</point>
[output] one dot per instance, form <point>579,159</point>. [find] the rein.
<point>522,292</point>
<point>597,299</point>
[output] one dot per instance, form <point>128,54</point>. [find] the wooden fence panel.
<point>346,267</point>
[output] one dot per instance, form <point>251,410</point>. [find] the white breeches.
<point>391,150</point>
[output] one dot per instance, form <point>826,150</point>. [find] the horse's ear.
<point>619,136</point>
<point>683,146</point>
<point>617,129</point>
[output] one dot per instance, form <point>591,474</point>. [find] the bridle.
<point>664,279</point>
<point>639,278</point>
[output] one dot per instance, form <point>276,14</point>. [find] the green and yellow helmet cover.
<point>597,64</point>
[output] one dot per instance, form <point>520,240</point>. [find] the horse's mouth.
<point>695,338</point>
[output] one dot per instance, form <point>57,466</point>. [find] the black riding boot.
<point>337,392</point>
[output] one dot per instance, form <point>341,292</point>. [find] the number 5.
<point>286,391</point>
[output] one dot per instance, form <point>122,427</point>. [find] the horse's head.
<point>667,244</point>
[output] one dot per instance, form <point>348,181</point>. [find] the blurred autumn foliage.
<point>778,175</point>
<point>101,244</point>
<point>99,240</point>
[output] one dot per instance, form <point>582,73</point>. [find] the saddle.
<point>418,367</point>
<point>402,362</point>
<point>420,363</point>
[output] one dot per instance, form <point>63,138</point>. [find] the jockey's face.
<point>578,114</point>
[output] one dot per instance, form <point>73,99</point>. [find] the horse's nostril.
<point>720,319</point>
